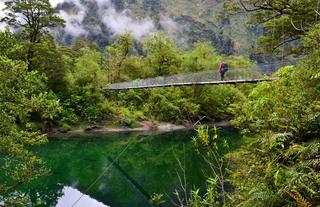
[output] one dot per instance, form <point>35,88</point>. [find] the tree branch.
<point>248,10</point>
<point>270,18</point>
<point>295,27</point>
<point>285,42</point>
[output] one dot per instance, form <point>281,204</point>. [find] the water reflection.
<point>148,165</point>
<point>74,198</point>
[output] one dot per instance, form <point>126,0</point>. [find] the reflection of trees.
<point>150,160</point>
<point>48,192</point>
<point>130,179</point>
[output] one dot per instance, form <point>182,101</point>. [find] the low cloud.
<point>74,19</point>
<point>124,21</point>
<point>172,28</point>
<point>1,14</point>
<point>54,3</point>
<point>117,22</point>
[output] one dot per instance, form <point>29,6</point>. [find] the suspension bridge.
<point>256,74</point>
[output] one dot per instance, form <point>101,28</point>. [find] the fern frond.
<point>298,198</point>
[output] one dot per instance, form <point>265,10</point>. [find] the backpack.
<point>225,67</point>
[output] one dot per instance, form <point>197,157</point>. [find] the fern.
<point>298,198</point>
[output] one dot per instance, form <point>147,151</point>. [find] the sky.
<point>55,2</point>
<point>1,13</point>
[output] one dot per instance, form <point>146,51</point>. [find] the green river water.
<point>119,169</point>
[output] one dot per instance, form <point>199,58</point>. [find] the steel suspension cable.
<point>103,172</point>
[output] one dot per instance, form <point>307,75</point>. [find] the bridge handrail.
<point>208,77</point>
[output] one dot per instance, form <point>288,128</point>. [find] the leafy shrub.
<point>170,104</point>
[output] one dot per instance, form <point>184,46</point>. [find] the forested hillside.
<point>187,22</point>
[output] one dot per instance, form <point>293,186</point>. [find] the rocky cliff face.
<point>186,21</point>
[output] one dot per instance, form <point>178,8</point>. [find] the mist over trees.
<point>101,21</point>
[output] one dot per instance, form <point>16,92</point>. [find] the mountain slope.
<point>186,21</point>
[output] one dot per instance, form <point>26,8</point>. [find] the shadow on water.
<point>147,165</point>
<point>130,179</point>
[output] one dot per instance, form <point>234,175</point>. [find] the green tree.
<point>117,55</point>
<point>162,55</point>
<point>201,58</point>
<point>84,43</point>
<point>285,21</point>
<point>283,116</point>
<point>85,81</point>
<point>171,104</point>
<point>48,59</point>
<point>22,94</point>
<point>33,19</point>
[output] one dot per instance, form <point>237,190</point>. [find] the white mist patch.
<point>74,19</point>
<point>1,14</point>
<point>54,3</point>
<point>123,22</point>
<point>19,17</point>
<point>172,28</point>
<point>118,22</point>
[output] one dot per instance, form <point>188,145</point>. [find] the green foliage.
<point>127,117</point>
<point>117,55</point>
<point>206,144</point>
<point>87,72</point>
<point>47,52</point>
<point>284,21</point>
<point>211,197</point>
<point>284,117</point>
<point>85,82</point>
<point>204,140</point>
<point>271,106</point>
<point>8,44</point>
<point>171,104</point>
<point>178,104</point>
<point>22,98</point>
<point>34,17</point>
<point>132,98</point>
<point>31,63</point>
<point>17,199</point>
<point>162,55</point>
<point>214,101</point>
<point>156,199</point>
<point>84,43</point>
<point>201,58</point>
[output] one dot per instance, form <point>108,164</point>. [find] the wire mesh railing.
<point>198,78</point>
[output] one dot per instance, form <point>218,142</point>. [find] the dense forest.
<point>187,22</point>
<point>49,85</point>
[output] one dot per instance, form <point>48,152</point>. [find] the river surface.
<point>119,169</point>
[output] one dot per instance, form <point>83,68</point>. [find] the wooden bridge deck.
<point>189,84</point>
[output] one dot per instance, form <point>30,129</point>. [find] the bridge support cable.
<point>236,76</point>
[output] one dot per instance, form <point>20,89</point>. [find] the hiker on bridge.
<point>223,68</point>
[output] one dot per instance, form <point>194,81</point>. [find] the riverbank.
<point>146,126</point>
